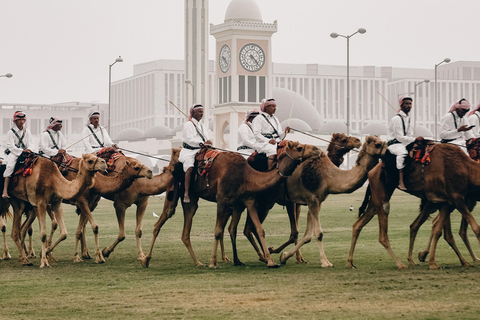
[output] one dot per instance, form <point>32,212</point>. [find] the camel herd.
<point>304,175</point>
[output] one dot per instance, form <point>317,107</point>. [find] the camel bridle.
<point>299,160</point>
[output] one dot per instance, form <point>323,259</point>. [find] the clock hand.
<point>251,56</point>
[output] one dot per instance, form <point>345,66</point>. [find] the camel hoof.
<point>213,266</point>
<point>225,259</point>
<point>327,265</point>
<point>26,263</point>
<point>32,254</point>
<point>105,252</point>
<point>86,255</point>
<point>273,266</point>
<point>238,263</point>
<point>199,264</point>
<point>402,266</point>
<point>422,255</point>
<point>283,259</point>
<point>6,256</point>
<point>145,262</point>
<point>99,259</point>
<point>467,265</point>
<point>77,259</point>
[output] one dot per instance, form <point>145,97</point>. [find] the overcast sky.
<point>60,50</point>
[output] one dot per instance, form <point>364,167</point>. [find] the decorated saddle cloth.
<point>421,150</point>
<point>25,163</point>
<point>63,162</point>
<point>204,159</point>
<point>110,155</point>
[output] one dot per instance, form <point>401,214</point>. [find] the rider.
<point>195,134</point>
<point>400,134</point>
<point>454,127</point>
<point>474,120</point>
<point>19,138</point>
<point>268,131</point>
<point>94,136</point>
<point>52,141</point>
<point>246,138</point>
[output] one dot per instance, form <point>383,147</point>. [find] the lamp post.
<point>193,91</point>
<point>446,60</point>
<point>415,100</point>
<point>119,59</point>
<point>8,75</point>
<point>335,35</point>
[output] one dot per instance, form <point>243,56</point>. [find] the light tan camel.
<point>447,181</point>
<point>310,184</point>
<point>340,144</point>
<point>44,186</point>
<point>232,184</point>
<point>4,214</point>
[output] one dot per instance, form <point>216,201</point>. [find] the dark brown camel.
<point>232,184</point>
<point>446,182</point>
<point>310,185</point>
<point>46,185</point>
<point>340,144</point>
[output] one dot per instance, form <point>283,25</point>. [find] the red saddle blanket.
<point>205,159</point>
<point>25,163</point>
<point>421,150</point>
<point>110,155</point>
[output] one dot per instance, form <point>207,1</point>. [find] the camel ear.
<point>368,139</point>
<point>127,163</point>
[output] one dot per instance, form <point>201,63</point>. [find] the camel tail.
<point>368,195</point>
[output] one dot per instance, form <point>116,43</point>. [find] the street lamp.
<point>8,75</point>
<point>119,59</point>
<point>446,60</point>
<point>193,90</point>
<point>335,35</point>
<point>415,100</point>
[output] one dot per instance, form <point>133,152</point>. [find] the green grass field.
<point>173,288</point>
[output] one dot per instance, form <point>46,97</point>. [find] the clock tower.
<point>243,67</point>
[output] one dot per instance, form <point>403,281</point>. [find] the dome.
<point>374,128</point>
<point>297,124</point>
<point>422,131</point>
<point>129,134</point>
<point>334,127</point>
<point>159,132</point>
<point>178,128</point>
<point>291,104</point>
<point>243,10</point>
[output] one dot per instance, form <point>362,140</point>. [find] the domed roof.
<point>243,10</point>
<point>374,128</point>
<point>423,131</point>
<point>129,134</point>
<point>178,128</point>
<point>302,108</point>
<point>334,127</point>
<point>297,124</point>
<point>159,132</point>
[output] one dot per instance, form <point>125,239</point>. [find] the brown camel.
<point>127,171</point>
<point>340,144</point>
<point>445,183</point>
<point>310,185</point>
<point>232,184</point>
<point>44,186</point>
<point>139,193</point>
<point>4,213</point>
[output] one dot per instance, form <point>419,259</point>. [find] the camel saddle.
<point>25,163</point>
<point>421,150</point>
<point>259,162</point>
<point>204,159</point>
<point>63,162</point>
<point>110,155</point>
<point>473,147</point>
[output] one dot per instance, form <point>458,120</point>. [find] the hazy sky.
<point>60,50</point>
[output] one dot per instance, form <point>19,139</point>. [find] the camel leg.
<point>120,212</point>
<point>3,228</point>
<point>447,234</point>
<point>232,229</point>
<point>82,203</point>
<point>313,229</point>
<point>189,210</point>
<point>51,214</point>
<point>41,216</point>
<point>463,235</point>
<point>361,222</point>
<point>427,208</point>
<point>252,212</point>
<point>27,228</point>
<point>443,215</point>
<point>141,207</point>
<point>18,208</point>
<point>223,214</point>
<point>382,216</point>
<point>249,232</point>
<point>168,211</point>
<point>78,236</point>
<point>58,209</point>
<point>464,210</point>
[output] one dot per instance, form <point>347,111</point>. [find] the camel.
<point>46,185</point>
<point>139,193</point>
<point>340,144</point>
<point>127,171</point>
<point>232,184</point>
<point>4,213</point>
<point>310,184</point>
<point>445,183</point>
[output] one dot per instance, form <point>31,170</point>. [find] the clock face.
<point>252,57</point>
<point>225,58</point>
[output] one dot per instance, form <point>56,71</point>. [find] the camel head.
<point>92,163</point>
<point>174,157</point>
<point>301,151</point>
<point>138,169</point>
<point>344,142</point>
<point>374,146</point>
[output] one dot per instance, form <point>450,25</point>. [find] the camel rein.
<point>311,135</point>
